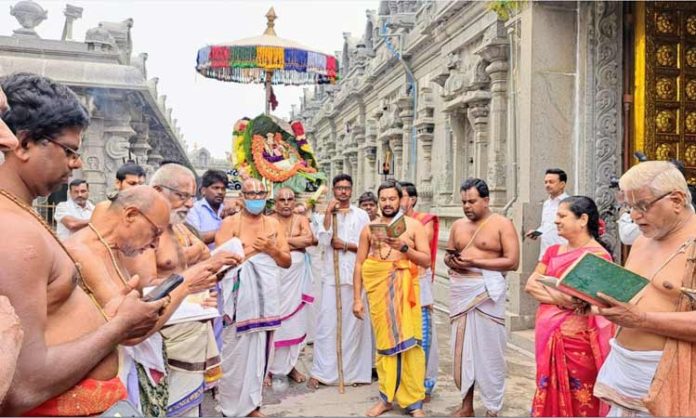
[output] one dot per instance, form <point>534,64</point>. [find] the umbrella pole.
<point>269,80</point>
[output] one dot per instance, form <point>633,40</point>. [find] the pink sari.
<point>570,349</point>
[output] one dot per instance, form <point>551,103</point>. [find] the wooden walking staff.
<point>339,310</point>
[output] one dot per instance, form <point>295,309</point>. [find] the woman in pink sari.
<point>570,345</point>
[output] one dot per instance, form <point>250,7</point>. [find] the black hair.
<point>562,176</point>
<point>478,184</point>
<point>390,184</point>
<point>367,197</point>
<point>583,205</point>
<point>342,177</point>
<point>41,107</point>
<point>410,188</point>
<point>129,169</point>
<point>77,182</point>
<point>211,177</point>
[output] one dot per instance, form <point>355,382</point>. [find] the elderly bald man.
<point>132,223</point>
<point>248,335</point>
<point>192,353</point>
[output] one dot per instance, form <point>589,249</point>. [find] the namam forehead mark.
<point>286,193</point>
<point>253,185</point>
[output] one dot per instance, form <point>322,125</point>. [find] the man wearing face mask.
<point>250,300</point>
<point>192,352</point>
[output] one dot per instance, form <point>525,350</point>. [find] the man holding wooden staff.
<point>351,361</point>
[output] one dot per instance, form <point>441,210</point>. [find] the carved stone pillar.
<point>139,144</point>
<point>370,167</point>
<point>424,131</point>
<point>396,144</point>
<point>477,113</point>
<point>154,157</point>
<point>353,161</point>
<point>407,172</point>
<point>496,52</point>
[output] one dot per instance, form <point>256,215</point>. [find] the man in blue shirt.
<point>206,214</point>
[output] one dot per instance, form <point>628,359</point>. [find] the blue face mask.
<point>255,206</point>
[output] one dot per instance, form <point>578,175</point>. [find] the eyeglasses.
<point>643,207</point>
<point>183,196</point>
<point>157,231</point>
<point>71,153</point>
<point>343,188</point>
<point>257,195</point>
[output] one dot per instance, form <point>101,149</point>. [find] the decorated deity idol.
<point>270,148</point>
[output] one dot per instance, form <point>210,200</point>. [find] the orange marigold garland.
<point>269,170</point>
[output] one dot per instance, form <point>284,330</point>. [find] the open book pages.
<point>233,245</point>
<point>191,308</point>
<point>394,229</point>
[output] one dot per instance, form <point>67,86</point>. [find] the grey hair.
<point>659,177</point>
<point>141,197</point>
<point>171,175</point>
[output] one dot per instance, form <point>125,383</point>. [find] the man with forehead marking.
<point>251,300</point>
<point>295,289</point>
<point>192,352</point>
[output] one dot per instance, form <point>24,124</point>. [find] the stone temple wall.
<point>497,100</point>
<point>130,119</point>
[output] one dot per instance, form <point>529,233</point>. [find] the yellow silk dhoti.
<point>395,311</point>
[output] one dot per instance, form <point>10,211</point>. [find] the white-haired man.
<point>192,353</point>
<point>639,375</point>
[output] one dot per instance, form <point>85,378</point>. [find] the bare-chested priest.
<point>652,355</point>
<point>192,353</point>
<point>68,362</point>
<point>101,248</point>
<point>295,286</point>
<point>251,301</point>
<point>388,267</point>
<point>481,247</point>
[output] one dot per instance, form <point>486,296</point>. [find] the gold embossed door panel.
<point>665,82</point>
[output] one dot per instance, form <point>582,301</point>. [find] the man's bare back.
<point>646,258</point>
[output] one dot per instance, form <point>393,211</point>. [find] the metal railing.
<point>46,210</point>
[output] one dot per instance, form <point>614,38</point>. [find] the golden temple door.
<point>664,82</point>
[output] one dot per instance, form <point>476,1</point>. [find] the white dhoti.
<point>432,355</point>
<point>194,363</point>
<point>316,262</point>
<point>625,378</point>
<point>478,338</point>
<point>288,340</point>
<point>356,338</point>
<point>251,307</point>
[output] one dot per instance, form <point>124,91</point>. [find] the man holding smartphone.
<point>68,363</point>
<point>192,352</point>
<point>554,183</point>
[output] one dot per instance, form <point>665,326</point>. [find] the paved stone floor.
<point>298,400</point>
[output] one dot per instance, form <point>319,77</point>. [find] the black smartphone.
<point>452,251</point>
<point>535,234</point>
<point>164,288</point>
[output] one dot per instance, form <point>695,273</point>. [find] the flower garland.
<point>269,170</point>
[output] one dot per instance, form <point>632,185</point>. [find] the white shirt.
<point>70,208</point>
<point>549,232</point>
<point>628,230</point>
<point>350,224</point>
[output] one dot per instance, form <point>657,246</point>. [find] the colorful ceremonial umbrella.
<point>267,59</point>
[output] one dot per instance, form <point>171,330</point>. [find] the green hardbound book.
<point>591,274</point>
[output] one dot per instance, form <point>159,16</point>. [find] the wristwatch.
<point>404,248</point>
